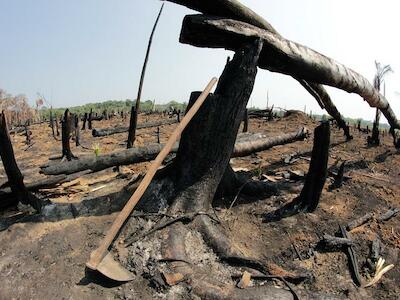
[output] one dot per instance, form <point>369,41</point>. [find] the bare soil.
<point>46,260</point>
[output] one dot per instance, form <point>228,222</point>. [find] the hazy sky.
<point>75,52</point>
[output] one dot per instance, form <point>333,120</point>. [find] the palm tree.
<point>381,72</point>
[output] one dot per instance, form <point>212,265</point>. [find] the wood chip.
<point>245,280</point>
<point>173,278</point>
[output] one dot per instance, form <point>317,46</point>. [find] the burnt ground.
<point>46,260</point>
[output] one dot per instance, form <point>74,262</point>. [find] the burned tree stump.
<point>66,126</point>
<point>309,197</point>
<point>90,119</point>
<point>52,122</point>
<point>15,178</point>
<point>77,131</point>
<point>85,117</point>
<point>132,128</point>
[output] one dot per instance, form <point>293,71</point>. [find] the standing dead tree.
<point>15,178</point>
<point>316,177</point>
<point>134,114</point>
<point>235,10</point>
<point>381,72</point>
<point>66,128</point>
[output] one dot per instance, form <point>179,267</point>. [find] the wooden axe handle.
<point>98,254</point>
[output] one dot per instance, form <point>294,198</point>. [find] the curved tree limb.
<point>283,56</point>
<point>235,10</point>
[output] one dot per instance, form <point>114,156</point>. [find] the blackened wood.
<point>283,56</point>
<point>134,114</point>
<point>90,119</point>
<point>77,131</point>
<point>208,142</point>
<point>317,172</point>
<point>85,117</point>
<point>66,126</point>
<point>158,135</point>
<point>388,215</point>
<point>339,177</point>
<point>359,221</point>
<point>375,249</point>
<point>28,134</point>
<point>352,258</point>
<point>245,145</point>
<point>334,242</point>
<point>132,128</point>
<point>14,175</point>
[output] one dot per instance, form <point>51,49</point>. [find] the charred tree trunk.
<point>208,141</point>
<point>27,135</point>
<point>15,178</point>
<point>132,127</point>
<point>85,117</point>
<point>245,145</point>
<point>90,119</point>
<point>134,112</point>
<point>77,131</point>
<point>309,197</point>
<point>66,126</point>
<point>374,138</point>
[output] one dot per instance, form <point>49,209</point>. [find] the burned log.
<point>15,178</point>
<point>235,10</point>
<point>283,56</point>
<point>250,144</point>
<point>245,121</point>
<point>111,131</point>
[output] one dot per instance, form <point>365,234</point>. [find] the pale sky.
<point>75,52</point>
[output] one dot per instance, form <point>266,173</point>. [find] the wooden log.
<point>388,215</point>
<point>283,56</point>
<point>359,221</point>
<point>116,130</point>
<point>142,154</point>
<point>233,9</point>
<point>14,175</point>
<point>334,242</point>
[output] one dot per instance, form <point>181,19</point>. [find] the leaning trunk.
<point>283,56</point>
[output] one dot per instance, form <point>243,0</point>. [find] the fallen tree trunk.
<point>142,154</point>
<point>111,131</point>
<point>283,56</point>
<point>233,9</point>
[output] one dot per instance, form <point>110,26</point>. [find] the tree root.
<point>180,270</point>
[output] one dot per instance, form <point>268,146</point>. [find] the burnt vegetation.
<point>212,199</point>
